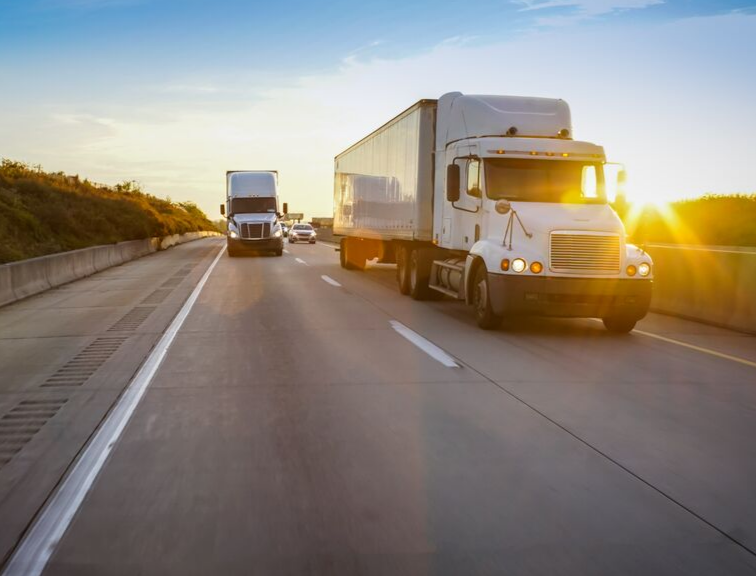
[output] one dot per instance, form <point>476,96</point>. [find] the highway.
<point>310,420</point>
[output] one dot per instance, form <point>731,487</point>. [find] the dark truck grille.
<point>585,252</point>
<point>255,230</point>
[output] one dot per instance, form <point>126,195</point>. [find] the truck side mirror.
<point>452,182</point>
<point>621,184</point>
<point>285,207</point>
<point>223,209</point>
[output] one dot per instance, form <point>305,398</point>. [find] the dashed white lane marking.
<point>425,345</point>
<point>301,261</point>
<point>286,251</point>
<point>330,280</point>
<point>35,550</point>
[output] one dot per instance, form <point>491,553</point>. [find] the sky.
<point>172,93</point>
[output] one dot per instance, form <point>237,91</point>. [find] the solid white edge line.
<point>425,345</point>
<point>38,545</point>
<point>331,281</point>
<point>682,344</point>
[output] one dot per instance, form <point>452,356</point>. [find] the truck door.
<point>462,219</point>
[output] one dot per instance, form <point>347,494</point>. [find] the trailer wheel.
<point>481,300</point>
<point>619,324</point>
<point>403,269</point>
<point>419,274</point>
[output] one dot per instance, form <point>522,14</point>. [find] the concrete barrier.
<point>716,285</point>
<point>28,277</point>
<point>6,287</point>
<point>68,266</point>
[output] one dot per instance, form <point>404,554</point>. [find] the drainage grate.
<point>79,369</point>
<point>172,282</point>
<point>132,320</point>
<point>157,297</point>
<point>20,425</point>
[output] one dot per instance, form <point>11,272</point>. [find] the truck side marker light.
<point>565,155</point>
<point>505,265</point>
<point>536,267</point>
<point>631,270</point>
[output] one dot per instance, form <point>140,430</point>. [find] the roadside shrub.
<point>43,213</point>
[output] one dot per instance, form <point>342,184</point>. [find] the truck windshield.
<point>253,205</point>
<point>557,181</point>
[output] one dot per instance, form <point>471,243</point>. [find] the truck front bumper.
<point>569,297</point>
<point>266,244</point>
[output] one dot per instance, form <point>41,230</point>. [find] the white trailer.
<point>489,199</point>
<point>251,209</point>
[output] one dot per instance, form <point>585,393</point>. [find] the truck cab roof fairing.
<point>251,183</point>
<point>472,116</point>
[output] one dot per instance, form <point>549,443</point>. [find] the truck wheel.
<point>481,299</point>
<point>419,274</point>
<point>403,270</point>
<point>619,324</point>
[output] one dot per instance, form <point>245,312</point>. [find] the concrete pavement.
<point>292,430</point>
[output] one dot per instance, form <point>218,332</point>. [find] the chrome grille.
<point>585,252</point>
<point>255,230</point>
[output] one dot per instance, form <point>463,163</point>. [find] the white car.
<point>302,232</point>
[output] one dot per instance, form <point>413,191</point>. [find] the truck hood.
<point>255,218</point>
<point>543,218</point>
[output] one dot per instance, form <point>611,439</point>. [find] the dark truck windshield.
<point>558,181</point>
<point>253,205</point>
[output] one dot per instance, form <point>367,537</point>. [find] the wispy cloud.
<point>577,10</point>
<point>87,4</point>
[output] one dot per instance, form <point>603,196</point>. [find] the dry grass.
<point>44,213</point>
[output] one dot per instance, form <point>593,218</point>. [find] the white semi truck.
<point>251,209</point>
<point>488,199</point>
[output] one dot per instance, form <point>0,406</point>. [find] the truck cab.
<point>251,209</point>
<point>527,208</point>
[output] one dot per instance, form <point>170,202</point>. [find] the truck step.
<point>449,265</point>
<point>444,291</point>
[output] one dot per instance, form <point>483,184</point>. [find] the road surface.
<point>310,420</point>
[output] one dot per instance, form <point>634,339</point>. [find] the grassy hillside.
<point>43,213</point>
<point>711,220</point>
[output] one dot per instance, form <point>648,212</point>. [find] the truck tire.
<point>619,324</point>
<point>402,269</point>
<point>481,300</point>
<point>419,273</point>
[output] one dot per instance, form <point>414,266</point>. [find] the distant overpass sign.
<point>294,216</point>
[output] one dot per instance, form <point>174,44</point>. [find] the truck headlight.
<point>644,269</point>
<point>277,233</point>
<point>233,234</point>
<point>518,264</point>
